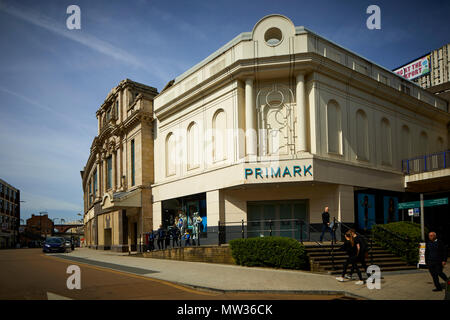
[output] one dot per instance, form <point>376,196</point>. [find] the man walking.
<point>436,258</point>
<point>326,225</point>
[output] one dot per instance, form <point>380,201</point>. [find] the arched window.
<point>170,154</point>
<point>405,143</point>
<point>219,125</point>
<point>386,142</point>
<point>439,144</point>
<point>193,145</point>
<point>362,136</point>
<point>334,127</point>
<point>423,143</point>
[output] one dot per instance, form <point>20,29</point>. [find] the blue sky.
<point>52,80</point>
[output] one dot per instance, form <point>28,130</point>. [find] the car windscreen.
<point>53,240</point>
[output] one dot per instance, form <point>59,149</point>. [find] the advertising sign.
<point>390,209</point>
<point>421,255</point>
<point>415,69</point>
<point>366,211</point>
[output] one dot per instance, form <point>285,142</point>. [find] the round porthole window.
<point>273,36</point>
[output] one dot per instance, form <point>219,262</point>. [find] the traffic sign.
<point>426,203</point>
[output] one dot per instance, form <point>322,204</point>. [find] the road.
<point>30,274</point>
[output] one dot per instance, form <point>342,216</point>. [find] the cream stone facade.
<point>119,172</point>
<point>279,123</point>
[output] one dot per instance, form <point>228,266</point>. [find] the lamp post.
<point>53,227</point>
<point>40,223</point>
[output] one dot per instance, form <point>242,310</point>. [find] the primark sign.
<point>278,172</point>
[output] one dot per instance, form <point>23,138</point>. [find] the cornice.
<point>293,64</point>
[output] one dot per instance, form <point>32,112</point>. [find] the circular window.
<point>273,36</point>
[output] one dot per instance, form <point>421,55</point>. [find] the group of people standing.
<point>184,228</point>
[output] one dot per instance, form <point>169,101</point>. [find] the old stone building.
<point>119,172</point>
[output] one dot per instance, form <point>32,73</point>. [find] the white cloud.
<point>83,38</point>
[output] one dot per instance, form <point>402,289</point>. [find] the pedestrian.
<point>187,239</point>
<point>326,225</point>
<point>151,241</point>
<point>362,250</point>
<point>161,237</point>
<point>167,238</point>
<point>175,235</point>
<point>350,247</point>
<point>436,258</point>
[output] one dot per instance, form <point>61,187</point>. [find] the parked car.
<point>68,244</point>
<point>54,244</point>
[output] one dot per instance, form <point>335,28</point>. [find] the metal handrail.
<point>445,156</point>
<point>270,222</point>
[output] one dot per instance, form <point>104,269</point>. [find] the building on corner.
<point>118,174</point>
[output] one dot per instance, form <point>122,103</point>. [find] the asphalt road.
<point>31,274</point>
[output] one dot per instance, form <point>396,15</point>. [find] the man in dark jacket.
<point>436,258</point>
<point>326,225</point>
<point>161,234</point>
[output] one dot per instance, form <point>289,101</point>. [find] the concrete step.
<point>344,257</point>
<point>342,253</point>
<point>382,265</point>
<point>383,269</point>
<point>377,261</point>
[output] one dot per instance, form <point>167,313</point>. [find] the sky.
<point>53,80</point>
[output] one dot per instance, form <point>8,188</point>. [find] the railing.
<point>401,250</point>
<point>426,163</point>
<point>292,228</point>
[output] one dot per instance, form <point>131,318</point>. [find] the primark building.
<point>274,126</point>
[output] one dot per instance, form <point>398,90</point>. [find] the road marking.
<point>54,296</point>
<point>135,276</point>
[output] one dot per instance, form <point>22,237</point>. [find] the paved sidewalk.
<point>416,284</point>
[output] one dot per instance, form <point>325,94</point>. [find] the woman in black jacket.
<point>350,247</point>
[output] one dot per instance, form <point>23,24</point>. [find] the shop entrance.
<point>108,239</point>
<point>188,208</point>
<point>282,215</point>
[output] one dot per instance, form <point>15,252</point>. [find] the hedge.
<point>408,248</point>
<point>274,252</point>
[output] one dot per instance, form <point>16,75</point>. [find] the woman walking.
<point>350,247</point>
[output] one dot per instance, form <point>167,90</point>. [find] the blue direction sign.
<point>426,203</point>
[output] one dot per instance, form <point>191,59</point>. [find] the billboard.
<point>415,69</point>
<point>366,211</point>
<point>390,209</point>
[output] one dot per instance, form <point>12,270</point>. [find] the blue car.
<point>54,244</point>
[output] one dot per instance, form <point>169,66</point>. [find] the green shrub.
<point>274,252</point>
<point>407,246</point>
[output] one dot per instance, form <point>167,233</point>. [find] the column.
<point>105,175</point>
<point>250,119</point>
<point>215,208</point>
<point>301,113</point>
<point>114,171</point>
<point>98,193</point>
<point>99,119</point>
